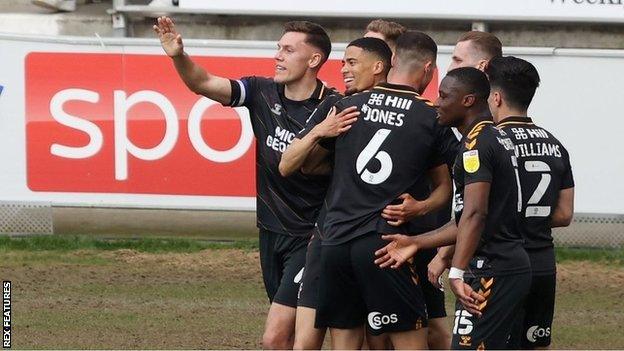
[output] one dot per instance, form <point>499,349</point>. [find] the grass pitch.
<point>83,293</point>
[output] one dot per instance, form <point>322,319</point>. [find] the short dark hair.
<point>475,81</point>
<point>315,35</point>
<point>486,43</point>
<point>416,46</point>
<point>390,30</point>
<point>377,47</point>
<point>518,79</point>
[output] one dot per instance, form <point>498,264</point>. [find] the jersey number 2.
<point>532,209</point>
<point>372,150</point>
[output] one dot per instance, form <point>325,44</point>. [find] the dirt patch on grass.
<point>214,299</point>
<point>225,263</point>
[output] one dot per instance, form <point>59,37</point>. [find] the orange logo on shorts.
<point>466,340</point>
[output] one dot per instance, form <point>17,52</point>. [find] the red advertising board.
<point>119,123</point>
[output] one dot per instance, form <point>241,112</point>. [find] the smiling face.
<point>293,57</point>
<point>359,68</point>
<point>451,110</point>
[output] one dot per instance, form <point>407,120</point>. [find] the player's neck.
<point>505,112</point>
<point>473,115</point>
<point>378,80</point>
<point>398,77</point>
<point>301,89</point>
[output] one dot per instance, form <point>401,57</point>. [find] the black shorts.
<point>308,289</point>
<point>354,291</point>
<point>282,258</point>
<point>434,297</point>
<point>504,296</point>
<point>533,326</point>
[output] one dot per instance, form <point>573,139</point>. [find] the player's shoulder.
<point>332,97</point>
<point>424,102</point>
<point>482,134</point>
<point>551,136</point>
<point>258,83</point>
<point>258,80</point>
<point>354,99</point>
<point>331,93</point>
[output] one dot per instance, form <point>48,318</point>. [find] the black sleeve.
<point>567,179</point>
<point>318,115</point>
<point>330,143</point>
<point>479,161</point>
<point>242,91</point>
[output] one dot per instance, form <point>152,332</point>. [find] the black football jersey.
<point>487,155</point>
<point>395,140</point>
<point>318,116</point>
<point>422,190</point>
<point>287,205</point>
<point>544,166</point>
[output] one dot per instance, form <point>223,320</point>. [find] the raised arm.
<point>195,77</point>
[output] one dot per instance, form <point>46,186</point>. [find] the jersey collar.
<point>515,120</point>
<point>397,88</point>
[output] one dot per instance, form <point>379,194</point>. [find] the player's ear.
<point>482,65</point>
<point>469,100</point>
<point>379,67</point>
<point>497,98</point>
<point>428,67</point>
<point>315,60</point>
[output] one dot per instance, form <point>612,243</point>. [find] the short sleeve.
<point>242,91</point>
<point>567,179</point>
<point>478,161</point>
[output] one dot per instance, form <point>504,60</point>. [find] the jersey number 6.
<point>372,150</point>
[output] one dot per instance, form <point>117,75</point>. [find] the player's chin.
<point>280,77</point>
<point>350,90</point>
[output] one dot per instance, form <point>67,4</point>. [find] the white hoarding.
<point>108,123</point>
<point>474,10</point>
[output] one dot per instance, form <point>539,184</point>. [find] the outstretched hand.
<point>401,249</point>
<point>470,299</point>
<point>170,39</point>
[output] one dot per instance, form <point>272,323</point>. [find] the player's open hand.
<point>397,215</point>
<point>337,123</point>
<point>393,255</point>
<point>170,40</point>
<point>469,298</point>
<point>435,268</point>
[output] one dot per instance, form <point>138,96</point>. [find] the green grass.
<point>75,293</point>
<point>607,256</point>
<point>151,245</point>
<point>155,245</point>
